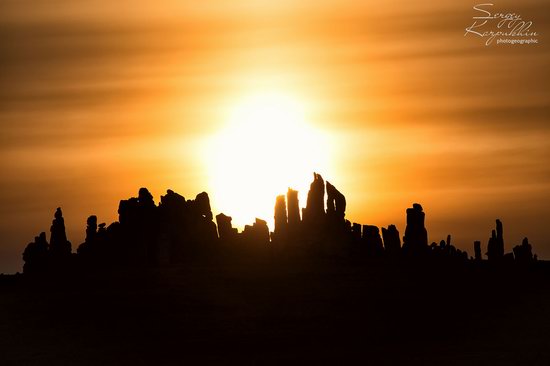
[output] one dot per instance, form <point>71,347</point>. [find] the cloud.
<point>106,91</point>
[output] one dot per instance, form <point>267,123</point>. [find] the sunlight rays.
<point>267,145</point>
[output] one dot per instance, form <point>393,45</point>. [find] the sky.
<point>389,101</point>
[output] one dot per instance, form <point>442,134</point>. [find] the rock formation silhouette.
<point>293,209</point>
<point>257,233</point>
<point>392,241</point>
<point>281,220</point>
<point>477,250</point>
<point>226,230</point>
<point>60,247</point>
<point>55,257</point>
<point>172,211</point>
<point>36,255</point>
<point>90,250</point>
<point>372,240</point>
<point>314,212</point>
<point>180,230</point>
<point>336,204</point>
<point>415,241</point>
<point>523,253</point>
<point>495,246</point>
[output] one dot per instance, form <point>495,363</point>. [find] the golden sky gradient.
<point>397,106</point>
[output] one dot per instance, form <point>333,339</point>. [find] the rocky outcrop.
<point>180,230</point>
<point>60,247</point>
<point>36,255</point>
<point>415,241</point>
<point>392,241</point>
<point>336,204</point>
<point>372,240</point>
<point>523,253</point>
<point>281,220</point>
<point>495,246</point>
<point>257,233</point>
<point>225,228</point>
<point>314,212</point>
<point>477,251</point>
<point>88,247</point>
<point>293,209</point>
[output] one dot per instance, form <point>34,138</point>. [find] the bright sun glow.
<point>266,146</point>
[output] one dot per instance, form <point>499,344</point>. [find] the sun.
<point>266,145</point>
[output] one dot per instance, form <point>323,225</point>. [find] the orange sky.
<point>99,99</point>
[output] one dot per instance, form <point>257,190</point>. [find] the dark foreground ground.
<point>280,312</point>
